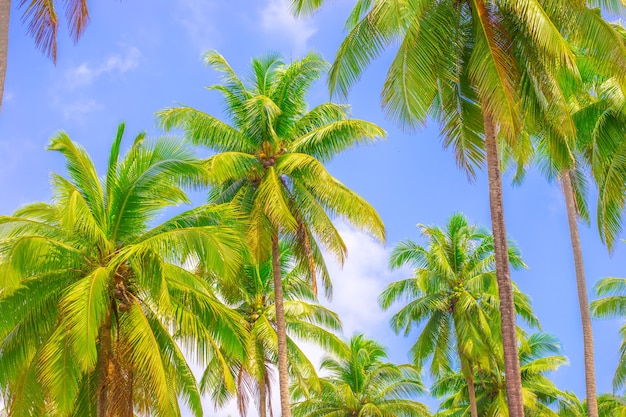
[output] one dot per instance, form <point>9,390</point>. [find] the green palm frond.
<point>200,127</point>
<point>539,355</point>
<point>324,142</point>
<point>109,295</point>
<point>306,321</point>
<point>359,382</point>
<point>452,293</point>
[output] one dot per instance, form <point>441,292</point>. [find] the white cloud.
<point>197,19</point>
<point>276,19</point>
<point>357,286</point>
<point>78,109</point>
<point>86,73</point>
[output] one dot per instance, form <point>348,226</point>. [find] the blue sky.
<point>139,56</point>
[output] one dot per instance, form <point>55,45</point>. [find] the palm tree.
<point>470,65</point>
<point>591,140</point>
<point>42,22</point>
<point>360,383</point>
<point>96,299</point>
<point>306,320</point>
<point>269,162</point>
<point>613,304</point>
<point>539,354</point>
<point>455,292</point>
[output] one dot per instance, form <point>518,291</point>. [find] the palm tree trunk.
<point>471,391</point>
<point>583,301</point>
<point>503,274</point>
<point>129,406</point>
<point>103,367</point>
<point>281,330</point>
<point>467,374</point>
<point>262,397</point>
<point>5,11</point>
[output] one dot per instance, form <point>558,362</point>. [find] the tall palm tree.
<point>613,304</point>
<point>539,354</point>
<point>468,64</point>
<point>251,292</point>
<point>455,292</point>
<point>360,383</point>
<point>42,23</point>
<point>593,145</point>
<point>269,161</point>
<point>108,297</point>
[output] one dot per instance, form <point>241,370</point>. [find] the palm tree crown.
<point>360,383</point>
<point>108,296</point>
<point>454,290</point>
<point>251,292</point>
<point>269,157</point>
<point>269,162</point>
<point>539,354</point>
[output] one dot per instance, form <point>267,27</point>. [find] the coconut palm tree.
<point>95,297</point>
<point>252,293</point>
<point>42,23</point>
<point>593,146</point>
<point>613,304</point>
<point>455,292</point>
<point>360,383</point>
<point>539,354</point>
<point>468,64</point>
<point>269,161</point>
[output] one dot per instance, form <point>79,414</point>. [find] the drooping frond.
<point>43,24</point>
<point>204,129</point>
<point>77,14</point>
<point>366,41</point>
<point>329,140</point>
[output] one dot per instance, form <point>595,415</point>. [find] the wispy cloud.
<point>197,19</point>
<point>77,110</point>
<point>87,73</point>
<point>276,19</point>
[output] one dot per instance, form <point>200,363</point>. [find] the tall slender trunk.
<point>583,301</point>
<point>468,374</point>
<point>471,391</point>
<point>503,274</point>
<point>129,406</point>
<point>103,367</point>
<point>283,373</point>
<point>263,397</point>
<point>5,11</point>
